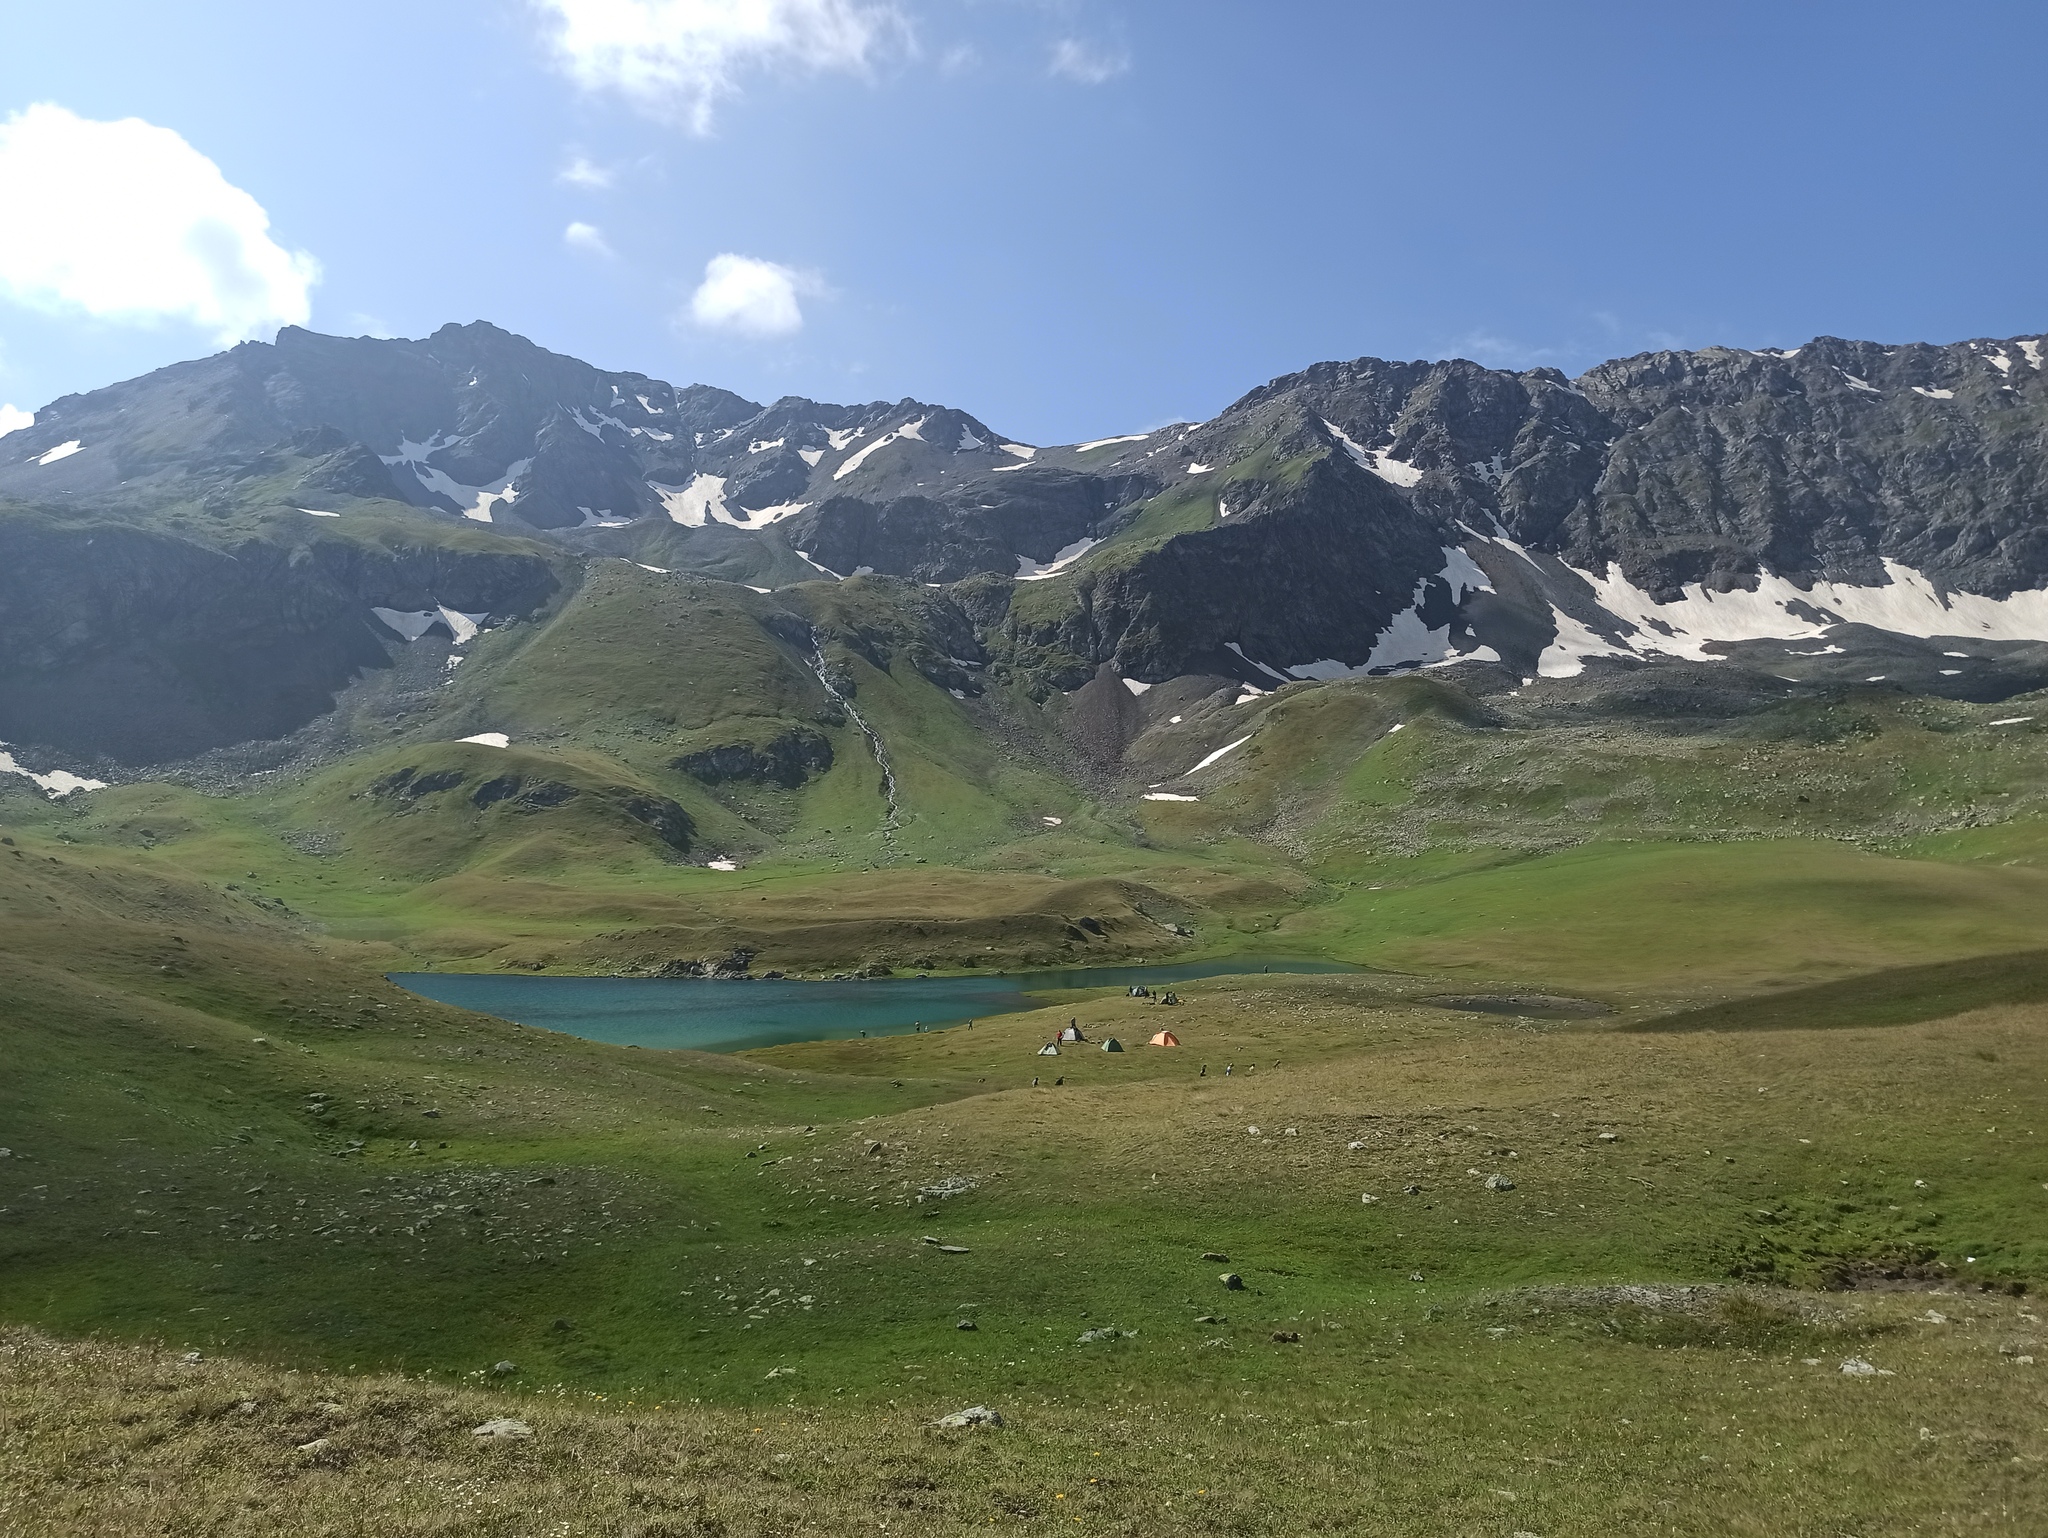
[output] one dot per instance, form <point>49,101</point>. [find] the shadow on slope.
<point>1894,996</point>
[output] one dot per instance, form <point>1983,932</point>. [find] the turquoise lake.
<point>715,1016</point>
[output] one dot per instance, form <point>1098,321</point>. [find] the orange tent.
<point>1164,1039</point>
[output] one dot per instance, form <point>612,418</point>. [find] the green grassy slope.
<point>228,1135</point>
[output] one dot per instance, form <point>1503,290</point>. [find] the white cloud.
<point>587,174</point>
<point>746,295</point>
<point>586,237</point>
<point>126,221</point>
<point>1073,59</point>
<point>680,58</point>
<point>13,419</point>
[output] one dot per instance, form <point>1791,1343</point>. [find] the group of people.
<point>1137,992</point>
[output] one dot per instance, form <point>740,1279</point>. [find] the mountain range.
<point>674,607</point>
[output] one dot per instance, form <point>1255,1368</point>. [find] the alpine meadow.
<point>1456,948</point>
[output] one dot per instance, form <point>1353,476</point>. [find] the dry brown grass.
<point>1538,1423</point>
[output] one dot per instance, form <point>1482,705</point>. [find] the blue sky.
<point>1070,217</point>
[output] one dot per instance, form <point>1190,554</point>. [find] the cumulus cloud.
<point>125,221</point>
<point>1086,63</point>
<point>586,237</point>
<point>680,58</point>
<point>750,297</point>
<point>13,419</point>
<point>587,174</point>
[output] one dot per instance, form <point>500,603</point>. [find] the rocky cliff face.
<point>139,646</point>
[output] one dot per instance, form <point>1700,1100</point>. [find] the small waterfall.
<point>817,661</point>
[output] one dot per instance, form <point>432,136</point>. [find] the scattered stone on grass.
<point>1212,1319</point>
<point>509,1429</point>
<point>946,1249</point>
<point>1287,1337</point>
<point>1856,1367</point>
<point>1232,1280</point>
<point>972,1416</point>
<point>318,1444</point>
<point>1499,1183</point>
<point>952,1185</point>
<point>192,1356</point>
<point>1217,1256</point>
<point>1105,1332</point>
<point>503,1369</point>
<point>1411,1190</point>
<point>782,1372</point>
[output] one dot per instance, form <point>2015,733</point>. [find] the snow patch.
<point>596,429</point>
<point>763,445</point>
<point>1409,642</point>
<point>1908,603</point>
<point>475,502</point>
<point>1565,657</point>
<point>1167,795</point>
<point>314,512</point>
<point>1228,747</point>
<point>1050,822</point>
<point>1859,384</point>
<point>1029,570</point>
<point>1200,469</point>
<point>761,517</point>
<point>1394,471</point>
<point>840,437</point>
<point>601,519</point>
<point>2001,362</point>
<point>859,457</point>
<point>1272,673</point>
<point>1021,450</point>
<point>2012,721</point>
<point>810,456</point>
<point>1134,686</point>
<point>1103,443</point>
<point>968,442</point>
<point>2032,352</point>
<point>695,504</point>
<point>489,740</point>
<point>57,784</point>
<point>1934,395</point>
<point>722,865</point>
<point>828,571</point>
<point>648,406</point>
<point>659,571</point>
<point>61,451</point>
<point>412,624</point>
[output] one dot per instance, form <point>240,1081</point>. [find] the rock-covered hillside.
<point>207,554</point>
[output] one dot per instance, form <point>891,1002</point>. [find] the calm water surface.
<point>711,1016</point>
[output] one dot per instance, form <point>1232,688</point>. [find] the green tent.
<point>1112,1045</point>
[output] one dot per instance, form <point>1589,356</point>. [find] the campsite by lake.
<point>717,1015</point>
